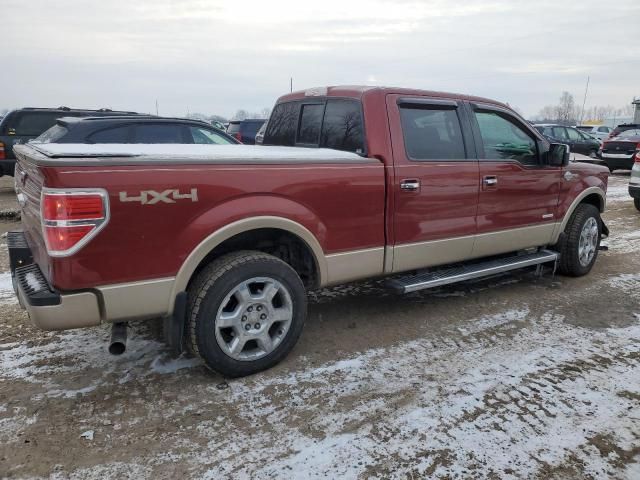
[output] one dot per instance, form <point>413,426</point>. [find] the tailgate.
<point>29,181</point>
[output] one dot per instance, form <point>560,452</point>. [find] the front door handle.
<point>490,180</point>
<point>410,185</point>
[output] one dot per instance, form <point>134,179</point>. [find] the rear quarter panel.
<point>341,205</point>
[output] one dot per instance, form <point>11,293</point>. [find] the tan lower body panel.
<point>428,254</point>
<point>75,310</point>
<point>345,267</point>
<point>504,241</point>
<point>137,300</point>
<point>451,250</point>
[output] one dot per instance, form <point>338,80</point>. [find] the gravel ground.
<point>516,376</point>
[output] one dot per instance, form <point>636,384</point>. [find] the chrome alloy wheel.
<point>588,241</point>
<point>254,318</point>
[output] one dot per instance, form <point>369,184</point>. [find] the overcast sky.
<point>219,56</point>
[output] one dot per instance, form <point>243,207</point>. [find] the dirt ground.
<point>511,377</point>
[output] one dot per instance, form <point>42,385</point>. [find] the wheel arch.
<point>592,196</point>
<point>261,226</point>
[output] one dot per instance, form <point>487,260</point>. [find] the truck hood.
<point>70,154</point>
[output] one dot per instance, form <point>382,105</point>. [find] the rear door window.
<point>559,132</point>
<point>111,135</point>
<point>202,135</point>
<point>310,123</point>
<point>342,128</point>
<point>573,135</point>
<point>431,132</point>
<point>281,129</point>
<point>503,139</point>
<point>159,133</point>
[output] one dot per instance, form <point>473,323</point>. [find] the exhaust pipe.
<point>118,338</point>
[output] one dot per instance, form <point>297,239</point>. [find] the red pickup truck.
<point>224,241</point>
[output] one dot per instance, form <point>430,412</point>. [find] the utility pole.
<point>291,84</point>
<point>584,101</point>
<point>156,107</point>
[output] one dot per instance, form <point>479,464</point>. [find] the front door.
<point>435,189</point>
<point>518,192</point>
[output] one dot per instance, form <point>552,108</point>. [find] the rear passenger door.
<point>436,184</point>
<point>518,193</point>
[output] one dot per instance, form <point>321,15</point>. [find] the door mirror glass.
<point>558,155</point>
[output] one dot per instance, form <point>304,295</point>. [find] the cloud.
<point>219,56</point>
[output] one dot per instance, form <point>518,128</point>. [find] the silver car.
<point>601,132</point>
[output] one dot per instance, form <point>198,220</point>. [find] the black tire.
<point>569,249</point>
<point>636,202</point>
<point>209,290</point>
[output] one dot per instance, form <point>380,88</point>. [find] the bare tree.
<point>566,110</point>
<point>241,115</point>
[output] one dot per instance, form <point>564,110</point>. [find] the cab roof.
<point>359,92</point>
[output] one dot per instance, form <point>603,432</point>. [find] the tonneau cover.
<point>71,154</point>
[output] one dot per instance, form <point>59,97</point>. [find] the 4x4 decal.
<point>150,197</point>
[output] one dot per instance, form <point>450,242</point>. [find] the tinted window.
<point>604,129</point>
<point>282,125</point>
<point>310,120</point>
<point>432,133</point>
<point>559,132</point>
<point>342,128</point>
<point>250,129</point>
<point>35,123</point>
<point>158,134</point>
<point>205,136</point>
<point>110,135</point>
<point>503,139</point>
<point>573,134</point>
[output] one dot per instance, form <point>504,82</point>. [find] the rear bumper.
<point>618,161</point>
<point>49,309</point>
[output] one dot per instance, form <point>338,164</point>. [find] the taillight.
<point>2,154</point>
<point>70,218</point>
<point>637,158</point>
<point>238,136</point>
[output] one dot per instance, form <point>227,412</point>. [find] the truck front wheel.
<point>579,250</point>
<point>246,311</point>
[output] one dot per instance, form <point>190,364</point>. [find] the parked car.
<point>623,127</point>
<point>245,130</point>
<point>138,129</point>
<point>619,151</point>
<point>598,131</point>
<point>20,126</point>
<point>224,242</point>
<point>634,182</point>
<point>260,134</point>
<point>578,142</point>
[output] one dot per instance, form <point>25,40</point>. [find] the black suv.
<point>578,142</point>
<point>138,129</point>
<point>20,126</point>
<point>245,130</point>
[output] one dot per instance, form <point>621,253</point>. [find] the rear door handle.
<point>490,180</point>
<point>410,185</point>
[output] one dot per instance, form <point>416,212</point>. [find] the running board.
<point>438,278</point>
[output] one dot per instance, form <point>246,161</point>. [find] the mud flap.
<point>174,324</point>
<point>603,235</point>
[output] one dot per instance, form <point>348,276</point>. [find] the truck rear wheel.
<point>579,249</point>
<point>246,311</point>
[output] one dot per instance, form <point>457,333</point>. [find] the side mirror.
<point>558,155</point>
